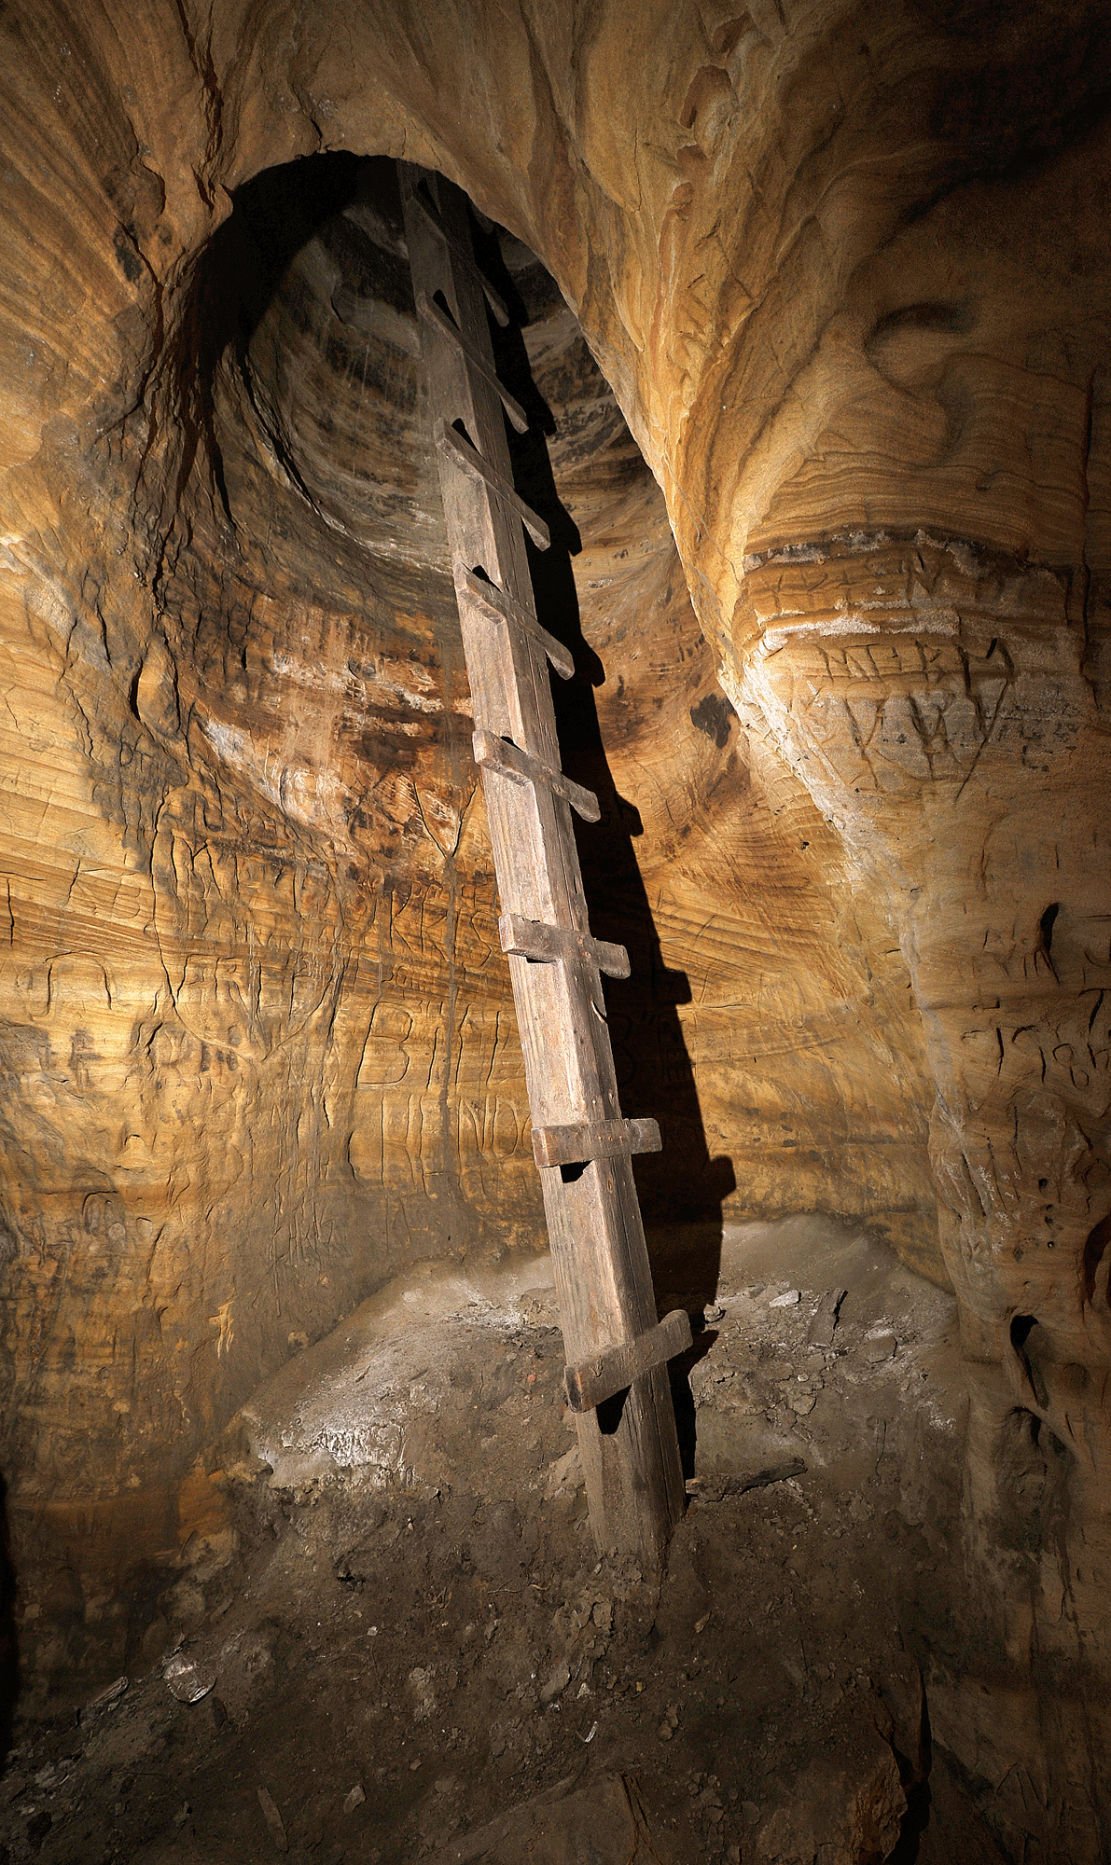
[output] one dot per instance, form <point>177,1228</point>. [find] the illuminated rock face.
<point>845,269</point>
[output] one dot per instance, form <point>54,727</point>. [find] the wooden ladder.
<point>616,1379</point>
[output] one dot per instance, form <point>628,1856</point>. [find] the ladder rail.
<point>603,1280</point>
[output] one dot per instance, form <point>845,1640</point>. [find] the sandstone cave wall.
<point>257,1040</point>
<point>845,271</point>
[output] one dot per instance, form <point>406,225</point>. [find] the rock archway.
<point>845,271</point>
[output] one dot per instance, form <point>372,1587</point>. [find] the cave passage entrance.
<point>618,1353</point>
<point>307,332</point>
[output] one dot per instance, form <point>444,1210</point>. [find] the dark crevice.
<point>1022,1329</point>
<point>914,1776</point>
<point>1046,923</point>
<point>1095,1250</point>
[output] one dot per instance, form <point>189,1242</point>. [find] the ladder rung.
<point>460,451</point>
<point>549,944</point>
<point>594,1139</point>
<point>500,754</point>
<point>496,606</point>
<point>441,322</point>
<point>432,214</point>
<point>605,1374</point>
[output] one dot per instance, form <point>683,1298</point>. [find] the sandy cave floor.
<point>414,1654</point>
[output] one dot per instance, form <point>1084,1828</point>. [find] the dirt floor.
<point>412,1652</point>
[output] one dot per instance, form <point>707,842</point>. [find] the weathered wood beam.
<point>431,312</point>
<point>578,1144</point>
<point>604,1375</point>
<point>496,607</point>
<point>633,1477</point>
<point>550,944</point>
<point>505,758</point>
<point>472,460</point>
<point>423,201</point>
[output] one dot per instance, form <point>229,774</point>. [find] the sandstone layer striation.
<point>845,270</point>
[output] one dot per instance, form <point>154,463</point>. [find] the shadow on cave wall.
<point>274,215</point>
<point>682,1188</point>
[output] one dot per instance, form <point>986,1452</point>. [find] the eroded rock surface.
<point>260,1039</point>
<point>846,271</point>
